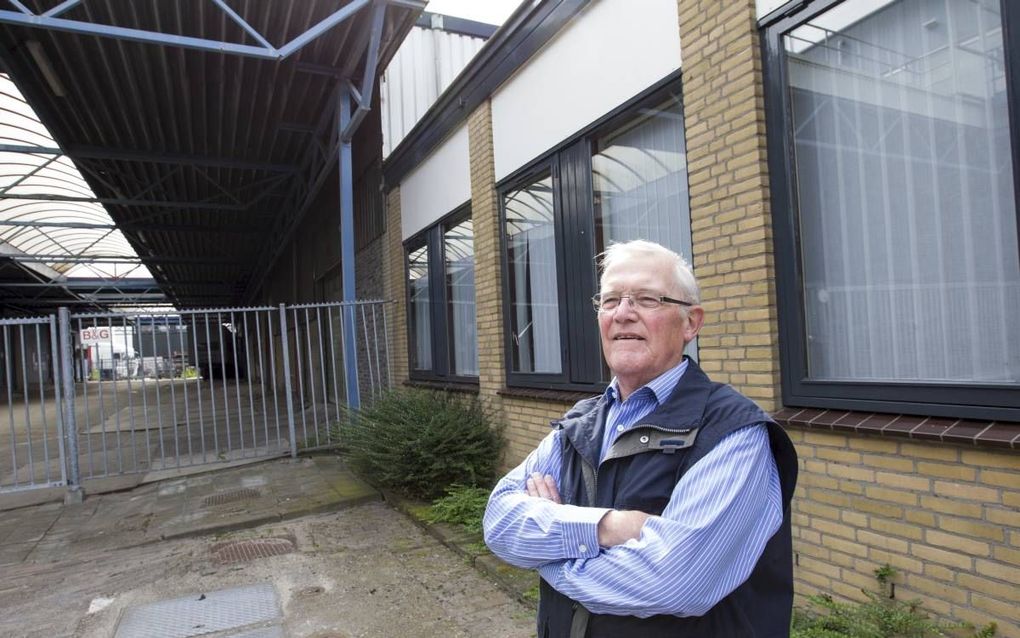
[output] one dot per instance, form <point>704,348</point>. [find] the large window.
<point>441,300</point>
<point>625,178</point>
<point>894,175</point>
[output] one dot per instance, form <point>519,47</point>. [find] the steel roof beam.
<point>265,51</point>
<point>123,201</point>
<point>118,259</point>
<point>92,152</point>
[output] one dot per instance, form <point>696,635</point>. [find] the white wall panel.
<point>436,186</point>
<point>611,51</point>
<point>424,65</point>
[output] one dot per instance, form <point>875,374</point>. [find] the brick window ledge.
<point>446,386</point>
<point>998,434</point>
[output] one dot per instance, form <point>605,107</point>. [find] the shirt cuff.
<point>579,527</point>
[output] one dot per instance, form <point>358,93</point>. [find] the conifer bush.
<point>419,442</point>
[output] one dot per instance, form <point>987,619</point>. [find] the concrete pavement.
<point>336,558</point>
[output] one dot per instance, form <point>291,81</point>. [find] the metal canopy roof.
<point>204,127</point>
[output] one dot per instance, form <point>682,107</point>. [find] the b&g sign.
<point>95,335</point>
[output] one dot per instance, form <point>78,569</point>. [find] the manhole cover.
<point>201,614</point>
<point>232,496</point>
<point>245,550</point>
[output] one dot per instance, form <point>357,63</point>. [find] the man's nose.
<point>626,310</point>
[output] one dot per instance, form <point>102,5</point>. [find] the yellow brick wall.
<point>393,277</point>
<point>947,518</point>
<point>728,176</point>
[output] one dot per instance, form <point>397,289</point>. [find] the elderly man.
<point>660,507</point>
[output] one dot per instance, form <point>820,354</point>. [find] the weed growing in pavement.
<point>881,616</point>
<point>462,505</point>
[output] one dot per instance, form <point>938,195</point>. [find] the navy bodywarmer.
<point>639,472</point>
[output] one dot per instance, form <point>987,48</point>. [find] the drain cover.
<point>245,550</point>
<point>240,494</point>
<point>201,614</point>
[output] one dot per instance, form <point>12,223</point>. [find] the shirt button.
<point>619,428</point>
<point>583,548</point>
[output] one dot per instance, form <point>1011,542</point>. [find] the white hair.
<point>683,278</point>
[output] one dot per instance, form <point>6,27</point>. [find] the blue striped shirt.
<point>706,542</point>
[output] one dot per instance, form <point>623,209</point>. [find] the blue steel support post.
<point>347,252</point>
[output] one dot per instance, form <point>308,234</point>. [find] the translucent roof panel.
<point>36,220</point>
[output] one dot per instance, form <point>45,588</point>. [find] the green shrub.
<point>461,506</point>
<point>419,442</point>
<point>881,616</point>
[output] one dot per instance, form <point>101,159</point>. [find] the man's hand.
<point>543,487</point>
<point>617,527</point>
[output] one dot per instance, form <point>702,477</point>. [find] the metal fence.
<point>150,392</point>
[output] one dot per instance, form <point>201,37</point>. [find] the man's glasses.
<point>610,301</point>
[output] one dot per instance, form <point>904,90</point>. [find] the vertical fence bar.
<point>247,375</point>
<point>9,375</point>
<point>42,406</point>
<point>262,377</point>
<point>85,395</point>
<point>322,375</point>
<point>212,387</point>
<point>223,379</point>
<point>300,376</point>
<point>173,392</point>
<point>181,327</point>
<point>24,401</point>
<point>272,366</point>
<point>386,342</point>
<point>67,378</point>
<point>368,358</point>
<point>377,382</point>
<point>332,358</point>
<point>116,401</point>
<point>198,383</point>
<point>128,373</point>
<point>286,380</point>
<point>159,403</point>
<point>140,340</point>
<point>311,379</point>
<point>237,380</point>
<point>58,396</point>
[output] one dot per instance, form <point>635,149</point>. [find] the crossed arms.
<point>706,542</point>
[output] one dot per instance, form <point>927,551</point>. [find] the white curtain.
<point>905,192</point>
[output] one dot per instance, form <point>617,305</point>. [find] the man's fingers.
<point>550,486</point>
<point>542,487</point>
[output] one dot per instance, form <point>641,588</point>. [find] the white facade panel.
<point>765,7</point>
<point>436,186</point>
<point>424,65</point>
<point>609,53</point>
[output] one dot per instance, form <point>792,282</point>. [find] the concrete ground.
<point>340,560</point>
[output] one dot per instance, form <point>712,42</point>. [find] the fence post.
<point>75,493</point>
<point>285,341</point>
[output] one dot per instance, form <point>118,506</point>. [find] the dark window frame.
<point>959,400</point>
<point>432,236</point>
<point>574,218</point>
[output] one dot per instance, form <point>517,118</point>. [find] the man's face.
<point>640,344</point>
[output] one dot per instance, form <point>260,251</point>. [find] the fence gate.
<point>152,392</point>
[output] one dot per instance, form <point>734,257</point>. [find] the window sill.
<point>1000,434</point>
<point>446,386</point>
<point>557,396</point>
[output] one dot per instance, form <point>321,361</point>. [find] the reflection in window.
<point>459,257</point>
<point>531,259</point>
<point>418,311</point>
<point>639,174</point>
<point>904,186</point>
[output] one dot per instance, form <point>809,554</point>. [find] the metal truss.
<point>264,50</point>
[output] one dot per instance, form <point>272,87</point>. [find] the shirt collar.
<point>661,386</point>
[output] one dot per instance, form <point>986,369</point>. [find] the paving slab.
<point>351,565</point>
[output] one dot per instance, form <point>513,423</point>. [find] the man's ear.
<point>695,319</point>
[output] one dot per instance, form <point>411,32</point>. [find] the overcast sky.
<point>488,11</point>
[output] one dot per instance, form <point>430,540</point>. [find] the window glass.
<point>904,191</point>
<point>419,307</point>
<point>531,263</point>
<point>639,176</point>
<point>459,258</point>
